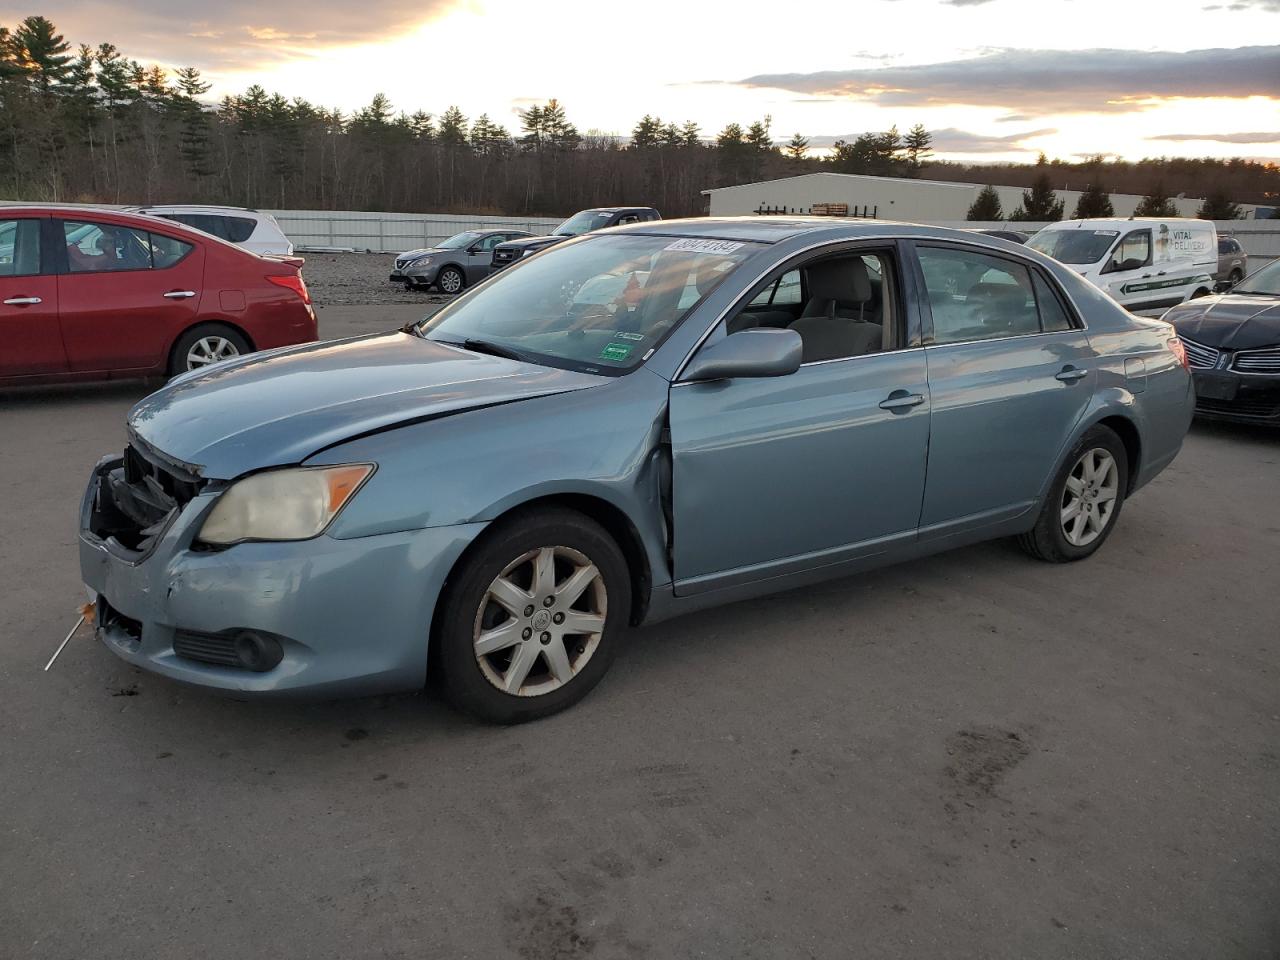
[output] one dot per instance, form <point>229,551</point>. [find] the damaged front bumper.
<point>322,617</point>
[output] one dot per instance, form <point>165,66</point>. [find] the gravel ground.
<point>354,278</point>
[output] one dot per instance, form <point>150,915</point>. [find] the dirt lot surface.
<point>974,755</point>
<point>358,278</point>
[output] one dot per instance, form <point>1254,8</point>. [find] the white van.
<point>1144,263</point>
<point>252,229</point>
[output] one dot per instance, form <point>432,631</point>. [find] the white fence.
<point>390,232</point>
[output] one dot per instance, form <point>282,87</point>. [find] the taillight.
<point>1180,352</point>
<point>293,282</point>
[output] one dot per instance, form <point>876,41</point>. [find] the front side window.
<point>598,306</point>
<point>19,248</point>
<point>583,222</point>
<point>102,247</point>
<point>973,296</point>
<point>1262,283</point>
<point>1133,252</point>
<point>489,242</point>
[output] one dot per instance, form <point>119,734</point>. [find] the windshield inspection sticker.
<point>704,246</point>
<point>624,335</point>
<point>616,351</point>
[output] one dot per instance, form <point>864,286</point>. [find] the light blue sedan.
<point>628,426</point>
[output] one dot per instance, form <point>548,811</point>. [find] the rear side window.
<point>19,248</point>
<point>977,297</point>
<point>166,251</point>
<point>104,247</point>
<point>233,229</point>
<point>1053,316</point>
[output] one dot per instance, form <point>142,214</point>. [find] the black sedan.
<point>1233,346</point>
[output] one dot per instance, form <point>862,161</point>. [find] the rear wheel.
<point>1235,276</point>
<point>531,620</point>
<point>206,344</point>
<point>450,280</point>
<point>1084,501</point>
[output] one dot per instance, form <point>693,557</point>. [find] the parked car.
<point>251,229</point>
<point>453,264</point>
<point>1233,345</point>
<point>584,221</point>
<point>1233,262</point>
<point>744,406</point>
<point>94,294</point>
<point>1145,264</point>
<point>1013,236</point>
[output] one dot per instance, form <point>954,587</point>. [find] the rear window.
<point>234,229</point>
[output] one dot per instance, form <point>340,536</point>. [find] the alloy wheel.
<point>540,621</point>
<point>1089,497</point>
<point>450,281</point>
<point>209,350</point>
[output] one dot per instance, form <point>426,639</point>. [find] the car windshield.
<point>583,222</point>
<point>459,240</point>
<point>597,306</point>
<point>1074,246</point>
<point>1265,282</point>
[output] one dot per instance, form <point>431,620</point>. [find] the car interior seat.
<point>839,319</point>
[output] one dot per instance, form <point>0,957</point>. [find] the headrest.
<point>844,280</point>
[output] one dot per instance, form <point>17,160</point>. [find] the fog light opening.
<point>258,652</point>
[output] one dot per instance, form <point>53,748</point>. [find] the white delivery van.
<point>1144,263</point>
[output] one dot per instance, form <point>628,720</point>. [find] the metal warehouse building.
<point>890,198</point>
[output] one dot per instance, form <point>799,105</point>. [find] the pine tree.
<point>986,206</point>
<point>797,147</point>
<point>918,143</point>
<point>1093,202</point>
<point>1039,204</point>
<point>41,51</point>
<point>452,129</point>
<point>1156,204</point>
<point>1217,206</point>
<point>758,135</point>
<point>647,132</point>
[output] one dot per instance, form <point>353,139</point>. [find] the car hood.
<point>526,243</point>
<point>420,252</point>
<point>281,406</point>
<point>1231,321</point>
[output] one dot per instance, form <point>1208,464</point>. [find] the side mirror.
<point>758,352</point>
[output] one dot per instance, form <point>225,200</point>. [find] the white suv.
<point>255,231</point>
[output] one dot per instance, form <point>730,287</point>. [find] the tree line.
<point>1040,203</point>
<point>89,124</point>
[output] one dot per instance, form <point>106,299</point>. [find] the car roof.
<point>193,208</point>
<point>774,229</point>
<point>614,209</point>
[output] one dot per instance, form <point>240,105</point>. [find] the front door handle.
<point>1072,374</point>
<point>901,400</point>
<point>22,301</point>
<point>180,294</point>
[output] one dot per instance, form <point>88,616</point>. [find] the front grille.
<point>1199,356</point>
<point>1265,409</point>
<point>136,500</point>
<point>504,256</point>
<point>1258,361</point>
<point>206,647</point>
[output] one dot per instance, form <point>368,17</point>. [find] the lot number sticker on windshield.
<point>704,246</point>
<point>616,351</point>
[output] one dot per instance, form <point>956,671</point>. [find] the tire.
<point>1235,276</point>
<point>516,679</point>
<point>451,280</point>
<point>213,340</point>
<point>1058,539</point>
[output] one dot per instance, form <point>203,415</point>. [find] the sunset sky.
<point>993,79</point>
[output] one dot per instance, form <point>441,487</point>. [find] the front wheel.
<point>531,619</point>
<point>450,280</point>
<point>1236,276</point>
<point>1084,501</point>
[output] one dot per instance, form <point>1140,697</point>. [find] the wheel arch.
<point>1128,433</point>
<point>445,266</point>
<point>206,322</point>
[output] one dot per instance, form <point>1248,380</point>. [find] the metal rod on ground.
<point>64,643</point>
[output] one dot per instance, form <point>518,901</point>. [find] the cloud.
<point>1015,118</point>
<point>1050,81</point>
<point>953,140</point>
<point>234,34</point>
<point>1272,137</point>
<point>1266,6</point>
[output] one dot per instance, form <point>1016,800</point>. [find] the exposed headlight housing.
<point>292,504</point>
<point>419,262</point>
<point>528,253</point>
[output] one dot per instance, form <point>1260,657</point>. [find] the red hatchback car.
<point>96,294</point>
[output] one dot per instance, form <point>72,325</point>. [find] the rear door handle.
<point>1072,374</point>
<point>901,400</point>
<point>23,301</point>
<point>180,294</point>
